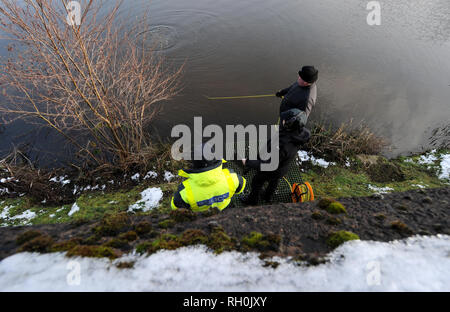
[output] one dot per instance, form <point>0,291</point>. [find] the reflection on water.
<point>394,76</point>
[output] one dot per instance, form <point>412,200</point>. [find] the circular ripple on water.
<point>186,34</point>
<point>160,37</point>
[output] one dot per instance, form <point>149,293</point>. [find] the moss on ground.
<point>317,215</point>
<point>113,224</point>
<point>380,216</point>
<point>125,265</point>
<point>66,245</point>
<point>337,238</point>
<point>331,205</point>
<point>42,243</point>
<point>143,227</point>
<point>92,240</point>
<point>94,252</point>
<point>116,243</point>
<point>27,236</point>
<point>182,215</point>
<point>165,224</point>
<point>401,227</point>
<point>258,241</point>
<point>129,236</point>
<point>217,240</point>
<point>334,221</point>
<point>193,237</point>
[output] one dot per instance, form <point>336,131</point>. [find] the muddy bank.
<point>299,230</point>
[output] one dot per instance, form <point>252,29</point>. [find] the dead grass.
<point>346,141</point>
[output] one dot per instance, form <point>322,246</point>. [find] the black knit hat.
<point>309,74</point>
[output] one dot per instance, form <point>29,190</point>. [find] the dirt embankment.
<point>303,229</point>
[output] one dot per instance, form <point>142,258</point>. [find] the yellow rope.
<point>239,97</point>
<point>290,186</point>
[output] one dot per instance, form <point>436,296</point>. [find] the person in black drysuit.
<point>302,94</point>
<point>292,136</point>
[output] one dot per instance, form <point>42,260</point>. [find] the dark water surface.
<point>395,77</point>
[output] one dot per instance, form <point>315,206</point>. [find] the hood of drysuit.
<point>296,137</point>
<point>204,176</point>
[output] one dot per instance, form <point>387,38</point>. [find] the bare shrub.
<point>98,84</point>
<point>19,176</point>
<point>345,141</point>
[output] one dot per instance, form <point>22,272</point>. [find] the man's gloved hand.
<point>278,94</point>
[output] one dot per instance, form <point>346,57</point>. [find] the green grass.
<point>334,181</point>
<point>340,181</point>
<point>93,205</point>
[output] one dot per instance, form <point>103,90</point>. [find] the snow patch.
<point>74,209</point>
<point>445,167</point>
<point>149,199</point>
<point>168,176</point>
<point>428,159</point>
<point>347,163</point>
<point>26,216</point>
<point>4,180</point>
<point>380,190</point>
<point>414,264</point>
<point>150,175</point>
<point>62,180</point>
<point>315,161</point>
<point>5,212</point>
<point>135,177</point>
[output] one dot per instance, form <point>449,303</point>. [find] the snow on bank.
<point>380,190</point>
<point>315,161</point>
<point>75,208</point>
<point>24,218</point>
<point>442,161</point>
<point>445,167</point>
<point>415,264</point>
<point>5,212</point>
<point>168,176</point>
<point>62,180</point>
<point>135,177</point>
<point>149,199</point>
<point>151,175</point>
<point>428,159</point>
